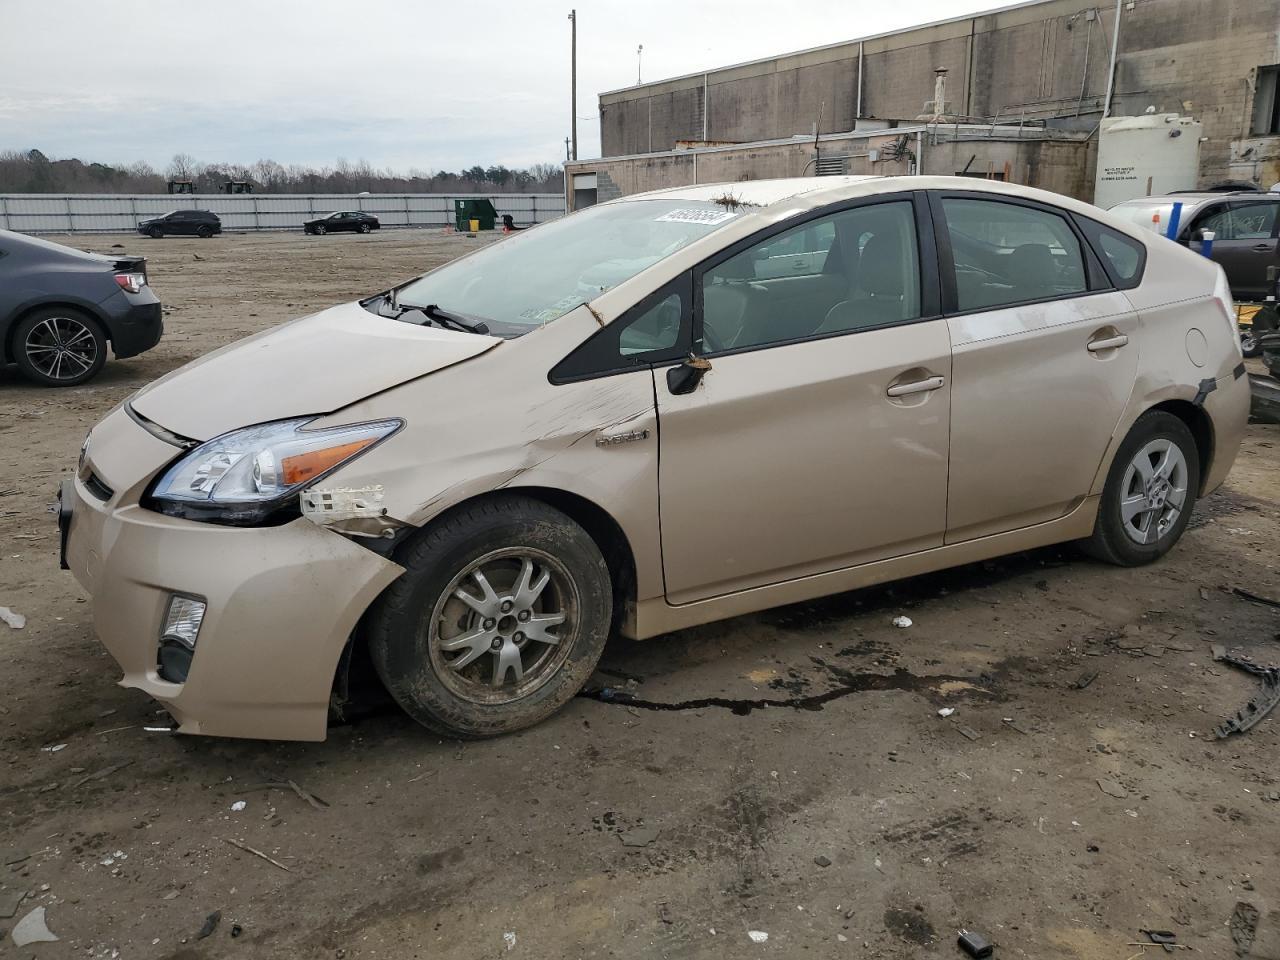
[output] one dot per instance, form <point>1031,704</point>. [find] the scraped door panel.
<point>795,460</point>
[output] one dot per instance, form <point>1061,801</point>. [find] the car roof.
<point>766,198</point>
<point>11,240</point>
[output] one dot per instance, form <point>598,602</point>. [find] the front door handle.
<point>1262,247</point>
<point>916,386</point>
<point>1107,343</point>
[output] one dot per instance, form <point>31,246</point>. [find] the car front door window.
<point>853,270</point>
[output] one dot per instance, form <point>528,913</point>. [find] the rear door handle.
<point>1107,343</point>
<point>1262,247</point>
<point>917,386</point>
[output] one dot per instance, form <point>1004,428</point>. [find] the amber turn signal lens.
<point>304,466</point>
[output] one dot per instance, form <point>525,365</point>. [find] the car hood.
<point>315,365</point>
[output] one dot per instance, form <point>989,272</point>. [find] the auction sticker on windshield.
<point>708,217</point>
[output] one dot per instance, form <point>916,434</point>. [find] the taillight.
<point>133,282</point>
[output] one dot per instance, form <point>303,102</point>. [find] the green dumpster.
<point>478,209</point>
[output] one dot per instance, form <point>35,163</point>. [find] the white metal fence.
<point>111,213</point>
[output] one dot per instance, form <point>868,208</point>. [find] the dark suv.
<point>182,223</point>
<point>60,307</point>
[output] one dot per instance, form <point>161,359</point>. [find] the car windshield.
<point>530,279</point>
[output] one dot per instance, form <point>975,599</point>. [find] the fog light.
<point>182,621</point>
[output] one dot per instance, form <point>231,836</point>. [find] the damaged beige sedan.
<point>661,411</point>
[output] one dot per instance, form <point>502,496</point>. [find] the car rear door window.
<point>1005,253</point>
<point>852,270</point>
<point>1250,220</point>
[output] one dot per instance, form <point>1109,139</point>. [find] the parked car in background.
<point>1245,224</point>
<point>61,308</point>
<point>352,221</point>
<point>182,223</point>
<point>472,479</point>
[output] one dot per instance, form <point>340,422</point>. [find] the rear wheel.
<point>1150,491</point>
<point>204,232</point>
<point>500,618</point>
<point>59,347</point>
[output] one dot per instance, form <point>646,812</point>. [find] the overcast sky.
<point>400,83</point>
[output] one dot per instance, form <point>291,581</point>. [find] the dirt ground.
<point>786,772</point>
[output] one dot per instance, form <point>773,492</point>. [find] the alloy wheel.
<point>61,348</point>
<point>504,625</point>
<point>1154,491</point>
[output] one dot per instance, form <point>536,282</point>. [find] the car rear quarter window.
<point>1005,253</point>
<point>1122,256</point>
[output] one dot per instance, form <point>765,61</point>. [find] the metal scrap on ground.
<point>1253,712</point>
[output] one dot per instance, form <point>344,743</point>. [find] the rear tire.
<point>59,347</point>
<point>1150,491</point>
<point>498,621</point>
<point>204,233</point>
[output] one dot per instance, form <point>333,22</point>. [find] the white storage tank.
<point>1146,156</point>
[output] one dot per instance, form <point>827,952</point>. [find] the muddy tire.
<point>499,619</point>
<point>1150,492</point>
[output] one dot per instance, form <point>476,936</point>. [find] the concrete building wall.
<point>1064,165</point>
<point>1034,61</point>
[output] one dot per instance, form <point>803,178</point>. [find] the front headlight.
<point>246,474</point>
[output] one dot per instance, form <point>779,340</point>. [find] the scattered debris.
<point>55,748</point>
<point>10,902</point>
<point>1244,594</point>
<point>967,732</point>
<point>822,861</point>
<point>664,914</point>
<point>236,930</point>
<point>238,806</point>
<point>1113,789</point>
<point>257,853</point>
<point>33,929</point>
<point>946,711</point>
<point>15,620</point>
<point>210,924</point>
<point>1166,938</point>
<point>757,936</point>
<point>171,895</point>
<point>1013,724</point>
<point>509,939</point>
<point>1086,678</point>
<point>974,943</point>
<point>303,794</point>
<point>902,622</point>
<point>1204,593</point>
<point>1244,927</point>
<point>640,836</point>
<point>1218,651</point>
<point>101,774</point>
<point>1253,712</point>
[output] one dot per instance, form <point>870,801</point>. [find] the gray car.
<point>1246,228</point>
<point>60,308</point>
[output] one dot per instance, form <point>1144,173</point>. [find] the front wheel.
<point>319,230</point>
<point>155,233</point>
<point>364,228</point>
<point>498,621</point>
<point>1150,491</point>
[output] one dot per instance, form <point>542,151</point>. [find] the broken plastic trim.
<point>1253,712</point>
<point>157,431</point>
<point>1207,386</point>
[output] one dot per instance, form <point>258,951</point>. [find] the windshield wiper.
<point>444,317</point>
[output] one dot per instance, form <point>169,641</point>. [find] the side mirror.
<point>685,378</point>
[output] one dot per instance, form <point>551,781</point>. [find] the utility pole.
<point>573,78</point>
<point>639,51</point>
<point>567,157</point>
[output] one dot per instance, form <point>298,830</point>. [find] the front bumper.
<point>282,603</point>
